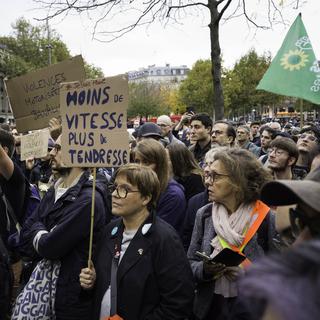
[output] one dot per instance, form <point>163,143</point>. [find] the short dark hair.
<point>7,140</point>
<point>313,129</point>
<point>271,131</point>
<point>286,144</point>
<point>231,131</point>
<point>204,118</point>
<point>144,178</point>
<point>254,123</point>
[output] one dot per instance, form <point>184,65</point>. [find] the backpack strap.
<point>10,212</point>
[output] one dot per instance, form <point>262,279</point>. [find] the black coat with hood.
<point>154,279</point>
<point>68,242</point>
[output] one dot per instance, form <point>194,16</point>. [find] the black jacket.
<point>154,279</point>
<point>68,242</point>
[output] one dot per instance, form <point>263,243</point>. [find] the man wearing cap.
<point>148,130</point>
<point>304,219</point>
<point>165,125</point>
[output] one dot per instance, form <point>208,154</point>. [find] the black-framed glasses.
<point>121,190</point>
<point>212,175</point>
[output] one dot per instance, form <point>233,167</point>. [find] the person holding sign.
<point>142,271</point>
<point>234,224</point>
<point>57,233</point>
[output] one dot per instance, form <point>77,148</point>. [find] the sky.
<point>176,44</point>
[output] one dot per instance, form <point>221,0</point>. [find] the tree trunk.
<point>218,103</point>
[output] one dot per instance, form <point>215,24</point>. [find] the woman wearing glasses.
<point>234,219</point>
<point>142,271</point>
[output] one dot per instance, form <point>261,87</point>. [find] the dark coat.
<point>194,204</point>
<point>68,242</point>
<point>154,279</point>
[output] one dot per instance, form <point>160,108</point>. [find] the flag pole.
<point>301,113</point>
<point>92,216</point>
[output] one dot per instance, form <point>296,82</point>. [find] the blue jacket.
<point>172,205</point>
<point>68,242</point>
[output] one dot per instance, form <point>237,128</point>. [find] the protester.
<point>285,286</point>
<point>236,178</point>
<point>267,136</point>
<point>243,140</point>
<point>181,129</point>
<point>201,126</point>
<point>142,271</point>
<point>283,155</point>
<point>223,134</point>
<point>13,190</point>
<point>196,202</point>
<point>172,202</point>
<point>149,130</point>
<point>307,144</point>
<point>304,219</point>
<point>58,233</point>
<point>255,136</point>
<point>165,124</point>
<point>186,170</point>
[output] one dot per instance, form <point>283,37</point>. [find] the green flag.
<point>294,71</point>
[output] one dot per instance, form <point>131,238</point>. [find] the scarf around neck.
<point>229,227</point>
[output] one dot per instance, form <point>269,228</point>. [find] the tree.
<point>241,83</point>
<point>197,89</point>
<point>139,13</point>
<point>27,49</point>
<point>146,99</point>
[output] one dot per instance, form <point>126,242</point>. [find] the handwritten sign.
<point>35,144</point>
<point>94,122</point>
<point>34,97</point>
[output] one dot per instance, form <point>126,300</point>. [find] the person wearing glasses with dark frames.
<point>142,271</point>
<point>308,142</point>
<point>235,219</point>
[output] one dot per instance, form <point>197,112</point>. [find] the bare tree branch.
<point>186,6</point>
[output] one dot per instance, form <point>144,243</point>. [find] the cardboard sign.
<point>34,97</point>
<point>94,122</point>
<point>35,144</point>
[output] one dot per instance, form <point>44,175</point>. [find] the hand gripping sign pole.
<point>92,216</point>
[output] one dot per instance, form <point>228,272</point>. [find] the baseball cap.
<point>288,192</point>
<point>149,129</point>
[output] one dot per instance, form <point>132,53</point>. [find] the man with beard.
<point>267,135</point>
<point>283,155</point>
<point>307,144</point>
<point>59,231</point>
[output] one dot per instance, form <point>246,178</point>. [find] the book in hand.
<point>226,256</point>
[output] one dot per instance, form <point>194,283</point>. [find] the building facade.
<point>168,75</point>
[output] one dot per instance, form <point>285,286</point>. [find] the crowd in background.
<point>192,186</point>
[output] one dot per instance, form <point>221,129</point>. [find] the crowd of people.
<point>209,220</point>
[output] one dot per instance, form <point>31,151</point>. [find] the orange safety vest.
<point>258,214</point>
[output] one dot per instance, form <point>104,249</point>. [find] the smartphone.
<point>203,256</point>
<point>226,256</point>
